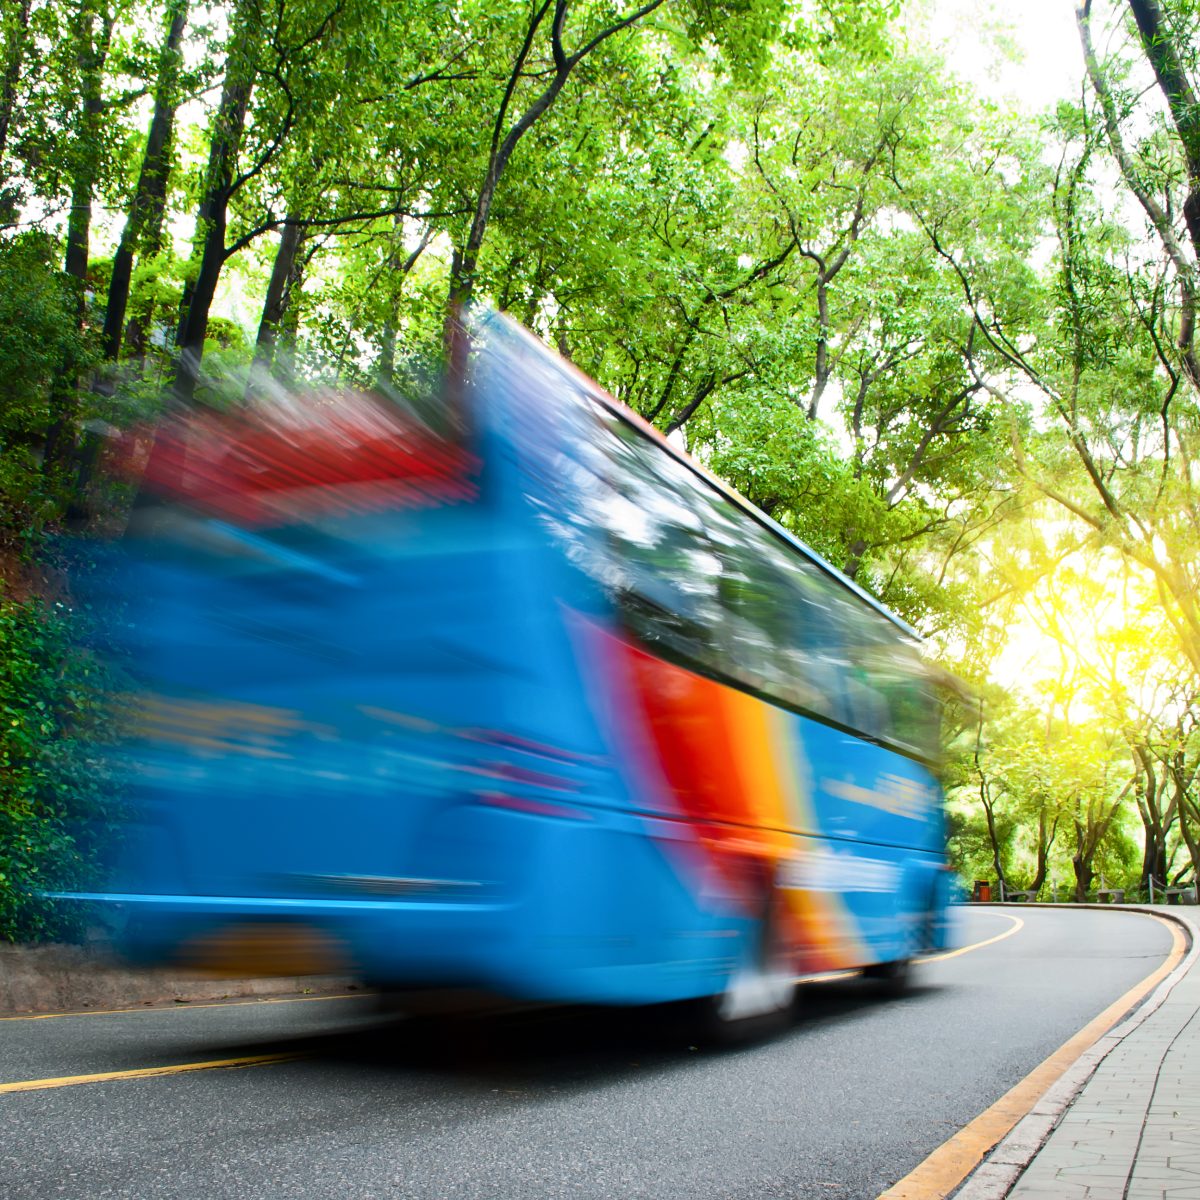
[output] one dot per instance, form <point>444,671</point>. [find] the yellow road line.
<point>1017,926</point>
<point>954,1160</point>
<point>831,976</point>
<point>37,1085</point>
<point>183,1005</point>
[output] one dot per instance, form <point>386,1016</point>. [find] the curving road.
<point>557,1104</point>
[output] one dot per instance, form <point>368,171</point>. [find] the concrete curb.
<point>995,1177</point>
<point>64,978</point>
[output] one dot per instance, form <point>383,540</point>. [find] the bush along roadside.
<point>57,805</point>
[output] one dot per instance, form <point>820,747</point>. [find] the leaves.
<point>949,346</point>
<point>57,810</point>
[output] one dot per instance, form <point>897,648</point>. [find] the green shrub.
<point>40,343</point>
<point>57,811</point>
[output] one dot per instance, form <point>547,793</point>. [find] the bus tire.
<point>759,999</point>
<point>892,978</point>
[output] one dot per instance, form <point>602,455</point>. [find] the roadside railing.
<point>985,891</point>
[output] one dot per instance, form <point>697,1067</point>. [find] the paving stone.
<point>1049,1191</point>
<point>1103,1174</point>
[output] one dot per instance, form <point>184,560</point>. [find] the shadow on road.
<point>570,1046</point>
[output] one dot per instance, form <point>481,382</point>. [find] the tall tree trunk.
<point>1158,812</point>
<point>854,558</point>
<point>465,262</point>
<point>209,251</point>
<point>1045,844</point>
<point>985,798</point>
<point>1092,822</point>
<point>1081,861</point>
<point>993,836</point>
<point>91,55</point>
<point>385,368</point>
<point>284,277</point>
<point>1189,827</point>
<point>1164,56</point>
<point>149,200</point>
<point>13,59</point>
<point>287,336</point>
<point>1183,779</point>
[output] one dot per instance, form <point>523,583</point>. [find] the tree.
<point>14,23</point>
<point>1107,352</point>
<point>143,232</point>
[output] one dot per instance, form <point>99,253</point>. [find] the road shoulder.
<point>1122,1122</point>
<point>985,1159</point>
<point>66,978</point>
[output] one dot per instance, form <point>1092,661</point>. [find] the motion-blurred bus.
<point>528,704</point>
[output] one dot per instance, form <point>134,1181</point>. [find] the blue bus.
<point>527,703</point>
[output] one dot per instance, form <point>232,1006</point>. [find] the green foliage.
<point>39,339</point>
<point>56,805</point>
<point>778,229</point>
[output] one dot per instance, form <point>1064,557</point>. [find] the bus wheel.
<point>760,998</point>
<point>893,978</point>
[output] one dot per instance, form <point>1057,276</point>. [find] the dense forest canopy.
<point>948,340</point>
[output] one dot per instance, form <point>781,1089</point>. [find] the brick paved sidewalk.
<point>1133,1131</point>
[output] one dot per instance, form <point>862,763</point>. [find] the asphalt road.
<point>557,1104</point>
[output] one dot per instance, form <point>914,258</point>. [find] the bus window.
<point>866,641</point>
<point>903,680</point>
<point>817,642</point>
<point>695,580</point>
<point>749,599</point>
<point>668,590</point>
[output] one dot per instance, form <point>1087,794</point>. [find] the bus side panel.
<point>850,831</point>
